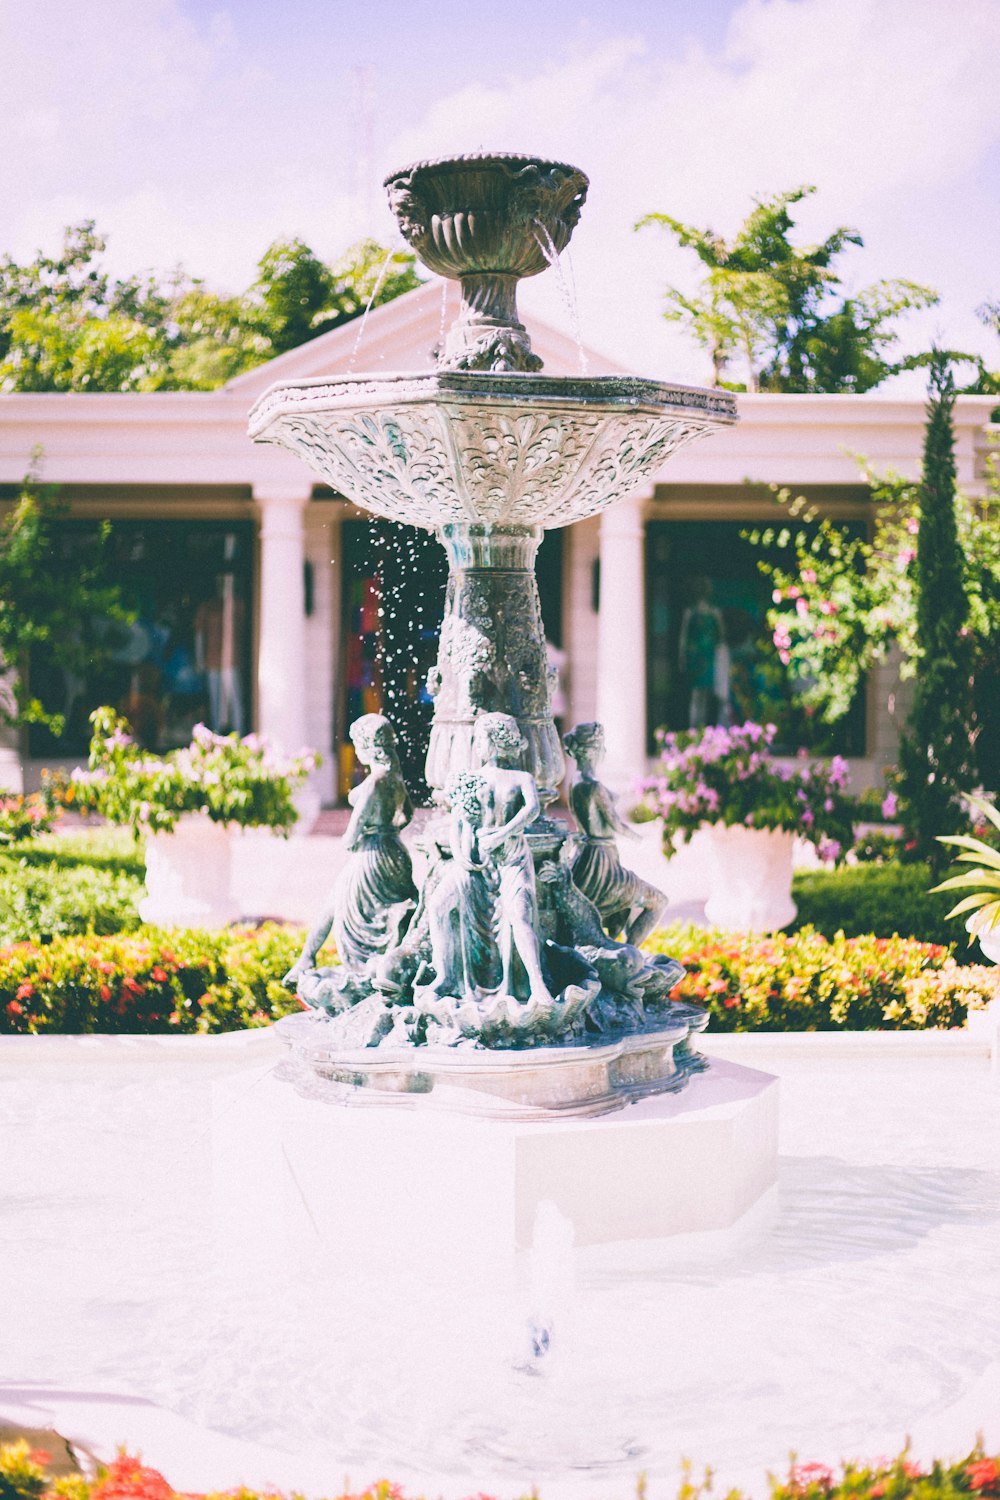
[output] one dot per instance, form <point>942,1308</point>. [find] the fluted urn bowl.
<point>498,213</point>
<point>459,446</point>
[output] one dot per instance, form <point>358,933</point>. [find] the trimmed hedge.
<point>881,899</point>
<point>40,901</point>
<point>804,981</point>
<point>169,981</point>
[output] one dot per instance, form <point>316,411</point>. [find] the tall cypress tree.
<point>937,755</point>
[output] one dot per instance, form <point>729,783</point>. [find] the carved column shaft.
<point>492,655</point>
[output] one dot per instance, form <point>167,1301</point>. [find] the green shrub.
<point>156,980</point>
<point>882,900</point>
<point>805,982</point>
<point>102,847</point>
<point>41,901</point>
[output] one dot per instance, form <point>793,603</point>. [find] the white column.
<point>621,644</point>
<point>281,660</point>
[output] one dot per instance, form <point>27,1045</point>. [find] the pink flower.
<point>808,575</point>
<point>890,803</point>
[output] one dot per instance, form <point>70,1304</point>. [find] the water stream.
<point>567,292</point>
<point>380,278</point>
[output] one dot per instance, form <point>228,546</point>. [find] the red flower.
<point>13,1009</point>
<point>104,992</point>
<point>158,974</point>
<point>804,1475</point>
<point>731,1002</point>
<point>39,1456</point>
<point>128,1479</point>
<point>25,990</point>
<point>984,1474</point>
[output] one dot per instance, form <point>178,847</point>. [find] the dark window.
<point>710,656</point>
<point>185,658</point>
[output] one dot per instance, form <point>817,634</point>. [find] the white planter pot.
<point>750,878</point>
<point>189,876</point>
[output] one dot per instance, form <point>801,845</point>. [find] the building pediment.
<point>401,335</point>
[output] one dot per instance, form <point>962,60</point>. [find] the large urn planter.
<point>749,877</point>
<point>189,875</point>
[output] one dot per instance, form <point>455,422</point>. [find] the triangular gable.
<point>400,335</point>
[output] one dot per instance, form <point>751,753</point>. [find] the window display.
<point>185,656</point>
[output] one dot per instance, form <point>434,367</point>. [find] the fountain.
<point>511,984</point>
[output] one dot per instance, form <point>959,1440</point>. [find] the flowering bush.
<point>729,776</point>
<point>806,982</point>
<point>234,780</point>
<point>25,817</point>
<point>25,1475</point>
<point>153,981</point>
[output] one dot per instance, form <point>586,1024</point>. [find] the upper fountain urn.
<point>486,221</point>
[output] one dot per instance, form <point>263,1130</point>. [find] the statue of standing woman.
<point>622,898</point>
<point>367,908</point>
<point>484,913</point>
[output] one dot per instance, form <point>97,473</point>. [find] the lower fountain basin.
<point>456,446</point>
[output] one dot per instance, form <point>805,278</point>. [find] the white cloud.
<point>881,103</point>
<point>160,123</point>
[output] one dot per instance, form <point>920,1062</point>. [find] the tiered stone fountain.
<point>512,982</point>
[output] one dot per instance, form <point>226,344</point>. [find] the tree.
<point>56,601</point>
<point>67,325</point>
<point>776,306</point>
<point>927,582</point>
<point>937,755</point>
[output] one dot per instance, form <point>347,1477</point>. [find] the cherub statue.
<point>377,879</point>
<point>487,902</point>
<point>622,898</point>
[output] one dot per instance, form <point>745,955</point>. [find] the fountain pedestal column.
<point>492,656</point>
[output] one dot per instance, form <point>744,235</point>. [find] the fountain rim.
<point>612,394</point>
<point>482,159</point>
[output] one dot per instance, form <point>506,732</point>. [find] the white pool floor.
<point>862,1306</point>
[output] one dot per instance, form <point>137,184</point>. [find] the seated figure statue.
<point>483,916</point>
<point>377,879</point>
<point>623,899</point>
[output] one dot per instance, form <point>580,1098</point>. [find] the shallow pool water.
<point>861,1305</point>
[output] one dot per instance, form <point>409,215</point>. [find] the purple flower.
<point>890,804</point>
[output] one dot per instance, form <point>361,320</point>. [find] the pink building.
<point>257,595</point>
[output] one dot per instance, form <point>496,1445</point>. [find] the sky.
<point>195,132</point>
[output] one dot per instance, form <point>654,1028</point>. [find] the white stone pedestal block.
<point>299,1181</point>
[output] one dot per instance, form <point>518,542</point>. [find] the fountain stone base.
<point>432,1188</point>
<point>532,1083</point>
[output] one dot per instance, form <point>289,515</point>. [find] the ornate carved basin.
<point>501,449</point>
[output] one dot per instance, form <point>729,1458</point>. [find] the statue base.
<point>531,1083</point>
